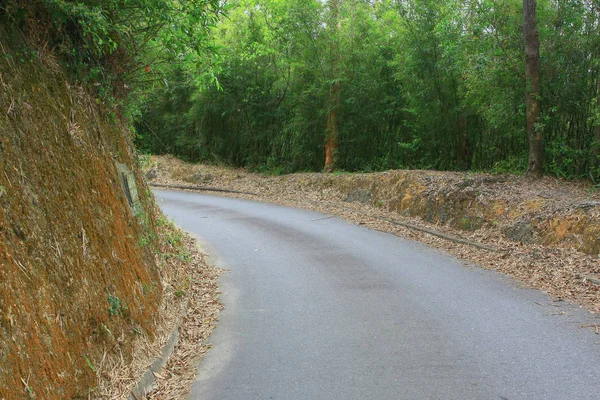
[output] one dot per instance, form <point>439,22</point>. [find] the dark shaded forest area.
<point>409,84</point>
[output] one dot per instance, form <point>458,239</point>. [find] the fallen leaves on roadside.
<point>562,272</point>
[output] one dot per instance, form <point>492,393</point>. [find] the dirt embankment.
<point>83,268</point>
<point>547,232</point>
<point>547,212</point>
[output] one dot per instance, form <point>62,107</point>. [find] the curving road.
<point>318,308</point>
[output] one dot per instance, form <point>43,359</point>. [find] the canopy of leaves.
<point>118,43</point>
<point>424,83</point>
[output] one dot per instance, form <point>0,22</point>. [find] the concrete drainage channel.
<point>146,382</point>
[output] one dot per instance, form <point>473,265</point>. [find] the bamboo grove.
<point>432,84</point>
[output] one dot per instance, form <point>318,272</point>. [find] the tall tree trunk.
<point>463,146</point>
<point>332,133</point>
<point>331,141</point>
<point>595,161</point>
<point>532,75</point>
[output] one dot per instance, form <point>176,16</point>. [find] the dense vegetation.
<point>412,84</point>
<point>86,270</point>
<point>115,47</point>
<point>289,85</point>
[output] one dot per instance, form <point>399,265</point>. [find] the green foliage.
<point>117,46</point>
<point>424,84</point>
<point>171,240</point>
<point>148,237</point>
<point>145,161</point>
<point>89,363</point>
<point>114,305</point>
<point>513,164</point>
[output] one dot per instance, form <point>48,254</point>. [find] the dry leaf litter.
<point>562,271</point>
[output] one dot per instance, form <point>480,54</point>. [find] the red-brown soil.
<point>78,276</point>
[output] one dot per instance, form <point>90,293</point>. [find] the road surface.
<point>318,308</point>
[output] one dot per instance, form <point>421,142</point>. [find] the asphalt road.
<point>318,308</point>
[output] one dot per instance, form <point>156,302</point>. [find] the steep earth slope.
<point>78,278</point>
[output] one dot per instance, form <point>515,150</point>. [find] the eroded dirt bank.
<point>91,282</point>
<point>547,233</point>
